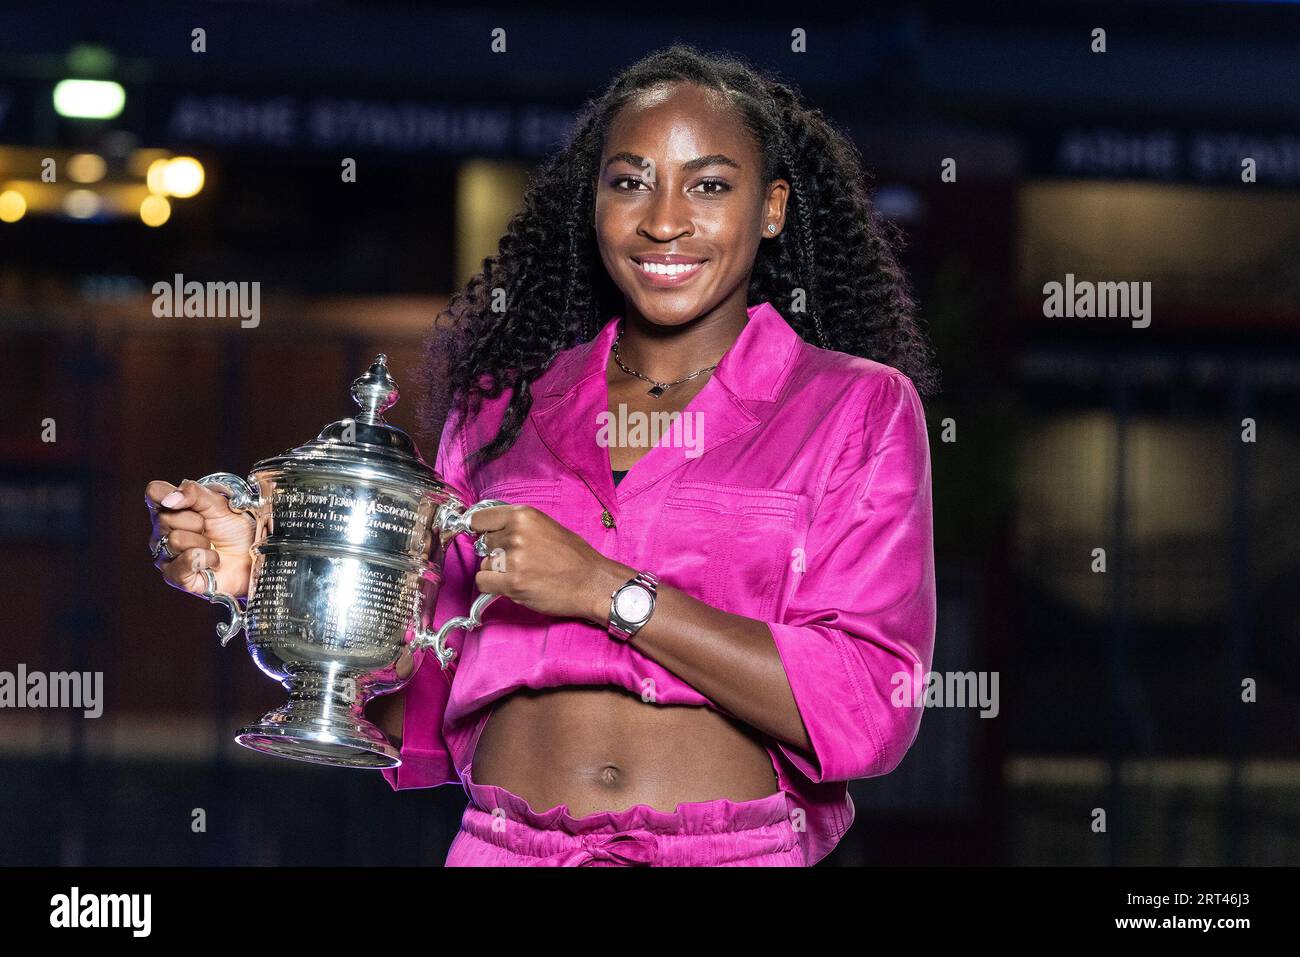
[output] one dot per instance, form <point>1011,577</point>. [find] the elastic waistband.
<point>694,817</point>
<point>697,833</point>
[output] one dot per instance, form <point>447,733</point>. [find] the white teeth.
<point>660,269</point>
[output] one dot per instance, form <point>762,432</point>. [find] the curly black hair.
<point>832,273</point>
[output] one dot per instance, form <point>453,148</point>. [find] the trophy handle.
<point>243,496</point>
<point>456,522</point>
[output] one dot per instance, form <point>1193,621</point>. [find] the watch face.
<point>633,603</point>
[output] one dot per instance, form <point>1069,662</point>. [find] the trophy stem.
<point>323,723</point>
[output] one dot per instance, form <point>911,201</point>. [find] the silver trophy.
<point>347,557</point>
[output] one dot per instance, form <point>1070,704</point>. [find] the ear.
<point>778,194</point>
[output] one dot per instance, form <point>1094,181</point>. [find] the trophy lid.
<point>364,444</point>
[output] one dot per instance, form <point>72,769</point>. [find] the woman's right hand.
<point>202,532</point>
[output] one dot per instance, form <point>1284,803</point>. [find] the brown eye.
<point>626,179</point>
<point>723,186</point>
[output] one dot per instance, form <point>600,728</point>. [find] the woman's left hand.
<point>543,565</point>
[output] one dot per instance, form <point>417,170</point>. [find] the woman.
<point>706,627</point>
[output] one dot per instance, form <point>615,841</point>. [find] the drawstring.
<point>637,848</point>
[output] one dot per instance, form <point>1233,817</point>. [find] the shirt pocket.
<point>728,545</point>
<point>543,494</point>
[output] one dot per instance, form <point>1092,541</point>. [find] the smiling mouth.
<point>669,271</point>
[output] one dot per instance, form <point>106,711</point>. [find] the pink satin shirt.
<point>797,494</point>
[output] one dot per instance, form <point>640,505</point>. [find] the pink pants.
<point>500,829</point>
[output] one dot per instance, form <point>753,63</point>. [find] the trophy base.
<point>319,731</point>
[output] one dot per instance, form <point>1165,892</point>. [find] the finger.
<point>188,561</point>
<point>501,538</point>
<point>200,498</point>
<point>165,521</point>
<point>186,570</point>
<point>495,561</point>
<point>207,502</point>
<point>490,583</point>
<point>493,518</point>
<point>178,540</point>
<point>155,492</point>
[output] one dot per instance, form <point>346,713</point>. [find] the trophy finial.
<point>376,391</point>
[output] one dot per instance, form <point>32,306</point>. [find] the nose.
<point>666,215</point>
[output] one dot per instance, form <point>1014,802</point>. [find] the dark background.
<point>1119,691</point>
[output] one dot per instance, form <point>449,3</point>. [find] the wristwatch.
<point>631,606</point>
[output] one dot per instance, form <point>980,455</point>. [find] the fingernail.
<point>172,500</point>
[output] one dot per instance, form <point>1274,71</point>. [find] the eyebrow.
<point>690,166</point>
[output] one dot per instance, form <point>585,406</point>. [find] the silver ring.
<point>480,546</point>
<point>161,547</point>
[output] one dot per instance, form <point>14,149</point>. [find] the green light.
<point>89,99</point>
<point>88,59</point>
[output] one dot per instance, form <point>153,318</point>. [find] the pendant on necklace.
<point>656,391</point>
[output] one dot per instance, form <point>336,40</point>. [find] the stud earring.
<point>771,228</point>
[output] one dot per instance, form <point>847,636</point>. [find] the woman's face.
<point>679,182</point>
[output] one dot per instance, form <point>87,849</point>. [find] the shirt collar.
<point>754,368</point>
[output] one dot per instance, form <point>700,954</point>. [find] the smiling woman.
<point>693,661</point>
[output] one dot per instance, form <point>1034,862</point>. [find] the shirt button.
<point>606,519</point>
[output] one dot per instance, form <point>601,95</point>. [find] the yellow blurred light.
<point>89,99</point>
<point>155,210</point>
<point>13,206</point>
<point>37,197</point>
<point>182,177</point>
<point>81,203</point>
<point>153,178</point>
<point>139,161</point>
<point>86,168</point>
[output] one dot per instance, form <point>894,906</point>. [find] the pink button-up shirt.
<point>798,494</point>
